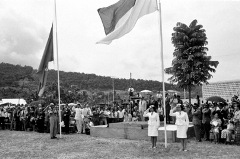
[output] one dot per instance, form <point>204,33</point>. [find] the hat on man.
<point>178,106</point>
<point>151,106</point>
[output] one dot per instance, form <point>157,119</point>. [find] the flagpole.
<point>162,61</point>
<point>59,108</point>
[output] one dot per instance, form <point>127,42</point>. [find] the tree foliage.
<point>190,66</point>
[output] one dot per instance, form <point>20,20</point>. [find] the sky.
<point>25,26</point>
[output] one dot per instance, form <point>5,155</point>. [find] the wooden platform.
<point>136,131</point>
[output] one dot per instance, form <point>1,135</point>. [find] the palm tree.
<point>191,66</point>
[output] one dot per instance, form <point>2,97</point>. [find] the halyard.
<point>18,144</point>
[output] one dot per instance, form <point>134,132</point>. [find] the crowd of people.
<point>75,118</point>
<point>217,121</point>
<point>212,121</point>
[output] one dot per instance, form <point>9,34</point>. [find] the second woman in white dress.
<point>182,123</point>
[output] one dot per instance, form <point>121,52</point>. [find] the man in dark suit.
<point>66,118</point>
<point>196,112</point>
<point>168,108</point>
<point>223,113</point>
<point>53,122</point>
<point>206,119</point>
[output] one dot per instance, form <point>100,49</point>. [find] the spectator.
<point>227,133</point>
<point>216,127</point>
<point>196,112</point>
<point>2,118</point>
<point>66,118</point>
<point>206,119</point>
<point>40,119</point>
<point>78,118</point>
<point>168,107</point>
<point>121,114</point>
<point>46,120</point>
<point>236,117</point>
<point>142,108</point>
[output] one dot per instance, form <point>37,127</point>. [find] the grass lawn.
<point>18,144</point>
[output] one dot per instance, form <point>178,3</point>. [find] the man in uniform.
<point>53,122</point>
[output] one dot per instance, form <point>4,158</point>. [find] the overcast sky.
<point>25,25</point>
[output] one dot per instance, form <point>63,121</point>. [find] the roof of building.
<point>228,81</point>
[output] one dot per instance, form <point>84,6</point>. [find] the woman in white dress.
<point>153,124</point>
<point>182,123</point>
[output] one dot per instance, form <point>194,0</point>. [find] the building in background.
<point>225,89</point>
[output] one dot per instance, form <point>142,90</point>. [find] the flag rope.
<point>59,99</point>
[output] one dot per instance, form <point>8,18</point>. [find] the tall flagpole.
<point>113,91</point>
<point>59,107</point>
<point>162,61</point>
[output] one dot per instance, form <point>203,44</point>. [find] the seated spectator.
<point>216,127</point>
<point>227,133</point>
<point>89,124</point>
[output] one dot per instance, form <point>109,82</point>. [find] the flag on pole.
<point>121,17</point>
<point>43,67</point>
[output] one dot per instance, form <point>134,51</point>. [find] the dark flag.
<point>43,67</point>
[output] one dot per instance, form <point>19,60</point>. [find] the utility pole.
<point>130,79</point>
<point>113,90</point>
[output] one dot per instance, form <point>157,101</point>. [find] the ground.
<point>18,144</point>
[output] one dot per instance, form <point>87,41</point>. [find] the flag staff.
<point>162,61</point>
<point>59,107</point>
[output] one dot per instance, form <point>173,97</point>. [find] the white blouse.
<point>181,118</point>
<point>153,118</point>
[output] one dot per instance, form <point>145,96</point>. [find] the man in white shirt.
<point>120,114</point>
<point>142,107</point>
<point>78,118</point>
<point>130,91</point>
<point>85,114</point>
<point>159,95</point>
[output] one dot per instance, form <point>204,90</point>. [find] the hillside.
<point>21,81</point>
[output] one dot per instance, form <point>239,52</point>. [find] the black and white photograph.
<point>119,79</point>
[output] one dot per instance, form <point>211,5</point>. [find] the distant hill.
<point>22,81</point>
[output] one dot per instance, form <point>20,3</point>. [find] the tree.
<point>191,66</point>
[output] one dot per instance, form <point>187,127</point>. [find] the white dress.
<point>182,123</point>
<point>153,123</point>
